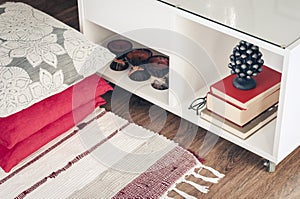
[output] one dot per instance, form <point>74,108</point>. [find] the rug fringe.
<point>207,179</point>
<point>201,188</point>
<point>192,172</point>
<point>183,194</point>
<point>215,172</point>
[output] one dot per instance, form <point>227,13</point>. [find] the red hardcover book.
<point>267,82</point>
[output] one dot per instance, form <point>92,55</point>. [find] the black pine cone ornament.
<point>246,61</point>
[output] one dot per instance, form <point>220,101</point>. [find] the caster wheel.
<point>270,166</point>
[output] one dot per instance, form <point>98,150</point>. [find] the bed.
<point>47,80</point>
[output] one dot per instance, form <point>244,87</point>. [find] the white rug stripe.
<point>147,154</point>
<point>114,179</point>
<point>110,122</point>
<point>76,177</point>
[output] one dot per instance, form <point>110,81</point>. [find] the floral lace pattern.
<point>40,56</point>
<point>4,55</point>
<point>18,23</point>
<point>45,49</point>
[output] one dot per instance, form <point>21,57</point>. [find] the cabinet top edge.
<point>274,21</point>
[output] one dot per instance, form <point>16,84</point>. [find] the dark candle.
<point>119,46</point>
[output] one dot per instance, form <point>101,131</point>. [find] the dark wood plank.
<point>245,177</point>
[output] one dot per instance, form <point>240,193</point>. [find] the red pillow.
<point>11,157</point>
<point>23,124</point>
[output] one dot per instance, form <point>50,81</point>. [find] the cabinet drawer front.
<point>124,16</point>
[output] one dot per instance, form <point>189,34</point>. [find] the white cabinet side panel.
<point>80,13</point>
<point>289,137</point>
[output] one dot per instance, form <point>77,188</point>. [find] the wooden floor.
<point>245,177</point>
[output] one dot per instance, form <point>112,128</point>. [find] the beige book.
<point>238,115</point>
<point>245,131</point>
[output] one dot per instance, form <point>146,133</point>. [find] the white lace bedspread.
<point>40,56</point>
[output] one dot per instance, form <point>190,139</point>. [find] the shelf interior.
<point>140,88</point>
<point>187,81</point>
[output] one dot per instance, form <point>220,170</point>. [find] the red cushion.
<point>23,124</point>
<point>11,157</point>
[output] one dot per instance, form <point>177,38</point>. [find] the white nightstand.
<point>198,36</point>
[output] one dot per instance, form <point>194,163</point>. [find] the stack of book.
<point>242,108</point>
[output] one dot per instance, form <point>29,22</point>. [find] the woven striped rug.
<point>106,157</point>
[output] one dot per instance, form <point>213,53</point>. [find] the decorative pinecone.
<point>246,60</point>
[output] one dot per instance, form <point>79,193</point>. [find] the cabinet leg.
<point>270,166</point>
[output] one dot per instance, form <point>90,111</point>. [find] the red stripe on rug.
<point>154,182</point>
<point>69,164</point>
<point>80,126</point>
